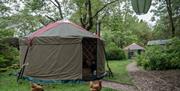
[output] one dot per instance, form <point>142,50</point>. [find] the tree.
<point>142,31</point>
<point>170,13</point>
<point>124,29</point>
<point>168,9</point>
<point>84,7</point>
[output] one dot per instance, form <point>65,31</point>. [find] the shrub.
<point>161,57</point>
<point>174,52</point>
<point>156,58</point>
<point>114,53</point>
<point>140,59</point>
<point>8,56</point>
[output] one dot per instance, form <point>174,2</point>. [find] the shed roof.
<point>158,42</point>
<point>134,46</point>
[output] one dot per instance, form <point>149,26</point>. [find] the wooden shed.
<point>133,49</point>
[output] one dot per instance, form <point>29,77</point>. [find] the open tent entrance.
<point>89,47</point>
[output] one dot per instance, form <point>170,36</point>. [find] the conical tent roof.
<point>133,46</point>
<point>64,29</point>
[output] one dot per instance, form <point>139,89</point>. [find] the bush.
<point>153,59</point>
<point>140,59</point>
<point>114,53</point>
<point>174,53</point>
<point>161,57</point>
<point>8,56</point>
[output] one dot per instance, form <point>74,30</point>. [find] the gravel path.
<point>155,80</point>
<point>118,86</point>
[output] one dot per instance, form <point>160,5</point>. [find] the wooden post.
<point>98,26</point>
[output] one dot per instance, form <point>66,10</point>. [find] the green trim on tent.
<point>35,80</point>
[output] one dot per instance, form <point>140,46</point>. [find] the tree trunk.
<point>169,9</point>
<point>58,5</point>
<point>87,19</point>
<point>90,19</point>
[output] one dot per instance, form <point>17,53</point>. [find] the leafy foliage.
<point>161,57</point>
<point>164,24</point>
<point>8,57</point>
<point>114,53</point>
<point>120,32</point>
<point>35,4</point>
<point>8,54</point>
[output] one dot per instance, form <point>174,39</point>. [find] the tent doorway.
<point>89,47</point>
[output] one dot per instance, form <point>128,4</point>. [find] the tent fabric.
<point>56,52</point>
<point>54,61</point>
<point>134,46</point>
<point>67,31</point>
<point>51,41</point>
<point>41,81</point>
<point>63,28</point>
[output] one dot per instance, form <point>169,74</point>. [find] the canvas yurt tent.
<point>62,51</point>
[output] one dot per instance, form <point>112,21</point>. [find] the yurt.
<point>62,51</point>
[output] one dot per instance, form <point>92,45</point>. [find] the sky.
<point>147,17</point>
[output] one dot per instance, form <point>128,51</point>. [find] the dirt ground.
<point>155,80</point>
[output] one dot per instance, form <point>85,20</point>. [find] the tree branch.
<point>53,3</point>
<point>40,20</point>
<point>50,18</point>
<point>82,23</point>
<point>100,20</point>
<point>103,8</point>
<point>89,13</point>
<point>59,8</point>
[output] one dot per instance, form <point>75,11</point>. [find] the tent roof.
<point>133,46</point>
<point>63,28</point>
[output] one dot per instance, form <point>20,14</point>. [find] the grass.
<point>119,71</point>
<point>8,83</point>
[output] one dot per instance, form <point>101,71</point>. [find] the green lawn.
<point>119,70</point>
<point>8,83</point>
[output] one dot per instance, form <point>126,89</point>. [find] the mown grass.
<point>119,71</point>
<point>8,83</point>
